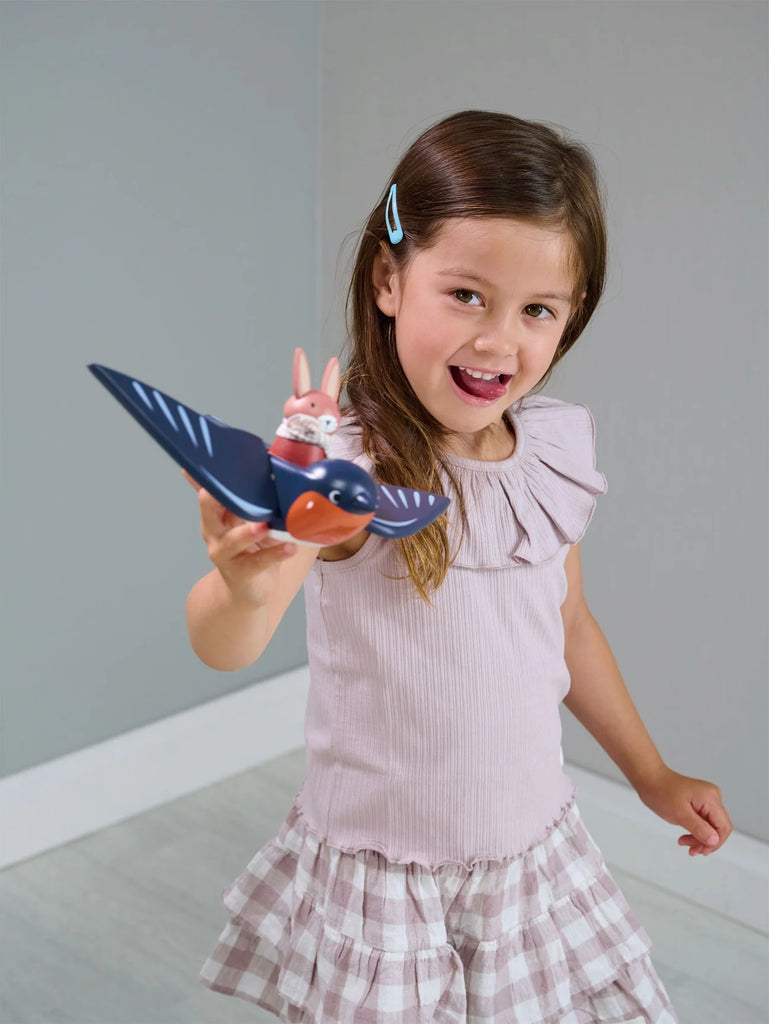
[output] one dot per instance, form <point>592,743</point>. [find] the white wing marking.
<point>206,435</point>
<point>388,495</point>
<point>186,421</point>
<point>143,395</point>
<point>166,410</point>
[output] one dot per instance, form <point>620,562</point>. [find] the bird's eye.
<point>334,497</point>
<point>328,423</point>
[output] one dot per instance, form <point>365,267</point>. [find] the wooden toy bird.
<point>295,486</point>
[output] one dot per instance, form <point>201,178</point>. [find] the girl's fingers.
<point>716,825</point>
<point>710,832</point>
<point>228,536</point>
<point>212,514</point>
<point>251,539</point>
<point>239,539</point>
<point>720,820</point>
<point>190,481</point>
<point>697,825</point>
<point>277,553</point>
<point>694,845</point>
<point>216,520</point>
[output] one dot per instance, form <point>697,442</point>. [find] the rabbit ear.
<point>301,374</point>
<point>331,379</point>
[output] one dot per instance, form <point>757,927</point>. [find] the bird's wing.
<point>402,511</point>
<point>230,464</point>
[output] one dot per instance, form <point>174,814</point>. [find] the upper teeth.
<point>478,375</point>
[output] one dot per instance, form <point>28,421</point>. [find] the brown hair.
<point>472,164</point>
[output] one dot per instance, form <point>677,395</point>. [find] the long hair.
<point>472,164</point>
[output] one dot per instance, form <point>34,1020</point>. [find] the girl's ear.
<point>385,279</point>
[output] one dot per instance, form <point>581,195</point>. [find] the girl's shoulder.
<point>544,419</point>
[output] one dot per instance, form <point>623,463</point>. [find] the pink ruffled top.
<point>433,733</point>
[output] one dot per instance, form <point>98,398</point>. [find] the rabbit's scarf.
<point>306,429</point>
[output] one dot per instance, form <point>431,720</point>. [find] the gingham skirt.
<point>320,935</point>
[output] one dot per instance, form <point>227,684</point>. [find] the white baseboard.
<point>90,789</point>
<point>72,796</point>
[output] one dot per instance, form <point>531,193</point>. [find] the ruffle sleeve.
<point>522,510</point>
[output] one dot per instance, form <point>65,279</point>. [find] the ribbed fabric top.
<point>433,733</point>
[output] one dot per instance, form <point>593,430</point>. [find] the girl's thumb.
<point>701,830</point>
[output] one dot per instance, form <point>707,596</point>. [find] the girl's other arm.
<point>599,699</point>
<point>233,611</point>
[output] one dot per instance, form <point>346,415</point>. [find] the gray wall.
<point>164,168</point>
<point>672,99</point>
<point>159,216</point>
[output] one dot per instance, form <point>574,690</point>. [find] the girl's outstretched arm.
<point>600,701</point>
<point>233,611</point>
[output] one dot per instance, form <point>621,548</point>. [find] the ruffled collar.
<point>523,509</point>
<point>513,416</point>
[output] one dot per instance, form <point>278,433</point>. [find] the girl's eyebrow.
<point>553,297</point>
<point>469,275</point>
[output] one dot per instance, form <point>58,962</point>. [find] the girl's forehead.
<point>489,234</point>
<point>499,246</point>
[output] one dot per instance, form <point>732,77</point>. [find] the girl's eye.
<point>465,296</point>
<point>537,312</point>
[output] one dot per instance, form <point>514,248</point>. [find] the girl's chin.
<point>469,422</point>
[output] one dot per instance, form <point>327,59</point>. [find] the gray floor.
<point>113,928</point>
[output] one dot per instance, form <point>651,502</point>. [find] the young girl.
<point>434,866</point>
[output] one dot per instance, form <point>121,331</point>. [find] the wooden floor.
<point>112,929</point>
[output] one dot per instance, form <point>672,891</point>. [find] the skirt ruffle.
<point>319,935</point>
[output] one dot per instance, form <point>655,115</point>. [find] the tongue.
<point>477,387</point>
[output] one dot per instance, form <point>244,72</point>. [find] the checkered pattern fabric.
<point>321,935</point>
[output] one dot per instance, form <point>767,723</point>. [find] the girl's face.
<point>491,297</point>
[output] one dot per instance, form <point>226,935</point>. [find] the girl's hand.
<point>691,803</point>
<point>247,559</point>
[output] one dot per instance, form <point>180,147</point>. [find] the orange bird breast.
<point>315,519</point>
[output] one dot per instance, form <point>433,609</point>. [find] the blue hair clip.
<point>396,232</point>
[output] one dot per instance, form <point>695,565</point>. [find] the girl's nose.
<point>500,346</point>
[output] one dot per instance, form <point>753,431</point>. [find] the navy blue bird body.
<point>324,502</point>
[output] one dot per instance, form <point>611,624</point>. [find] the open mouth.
<point>489,386</point>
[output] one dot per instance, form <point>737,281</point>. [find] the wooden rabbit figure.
<point>309,417</point>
